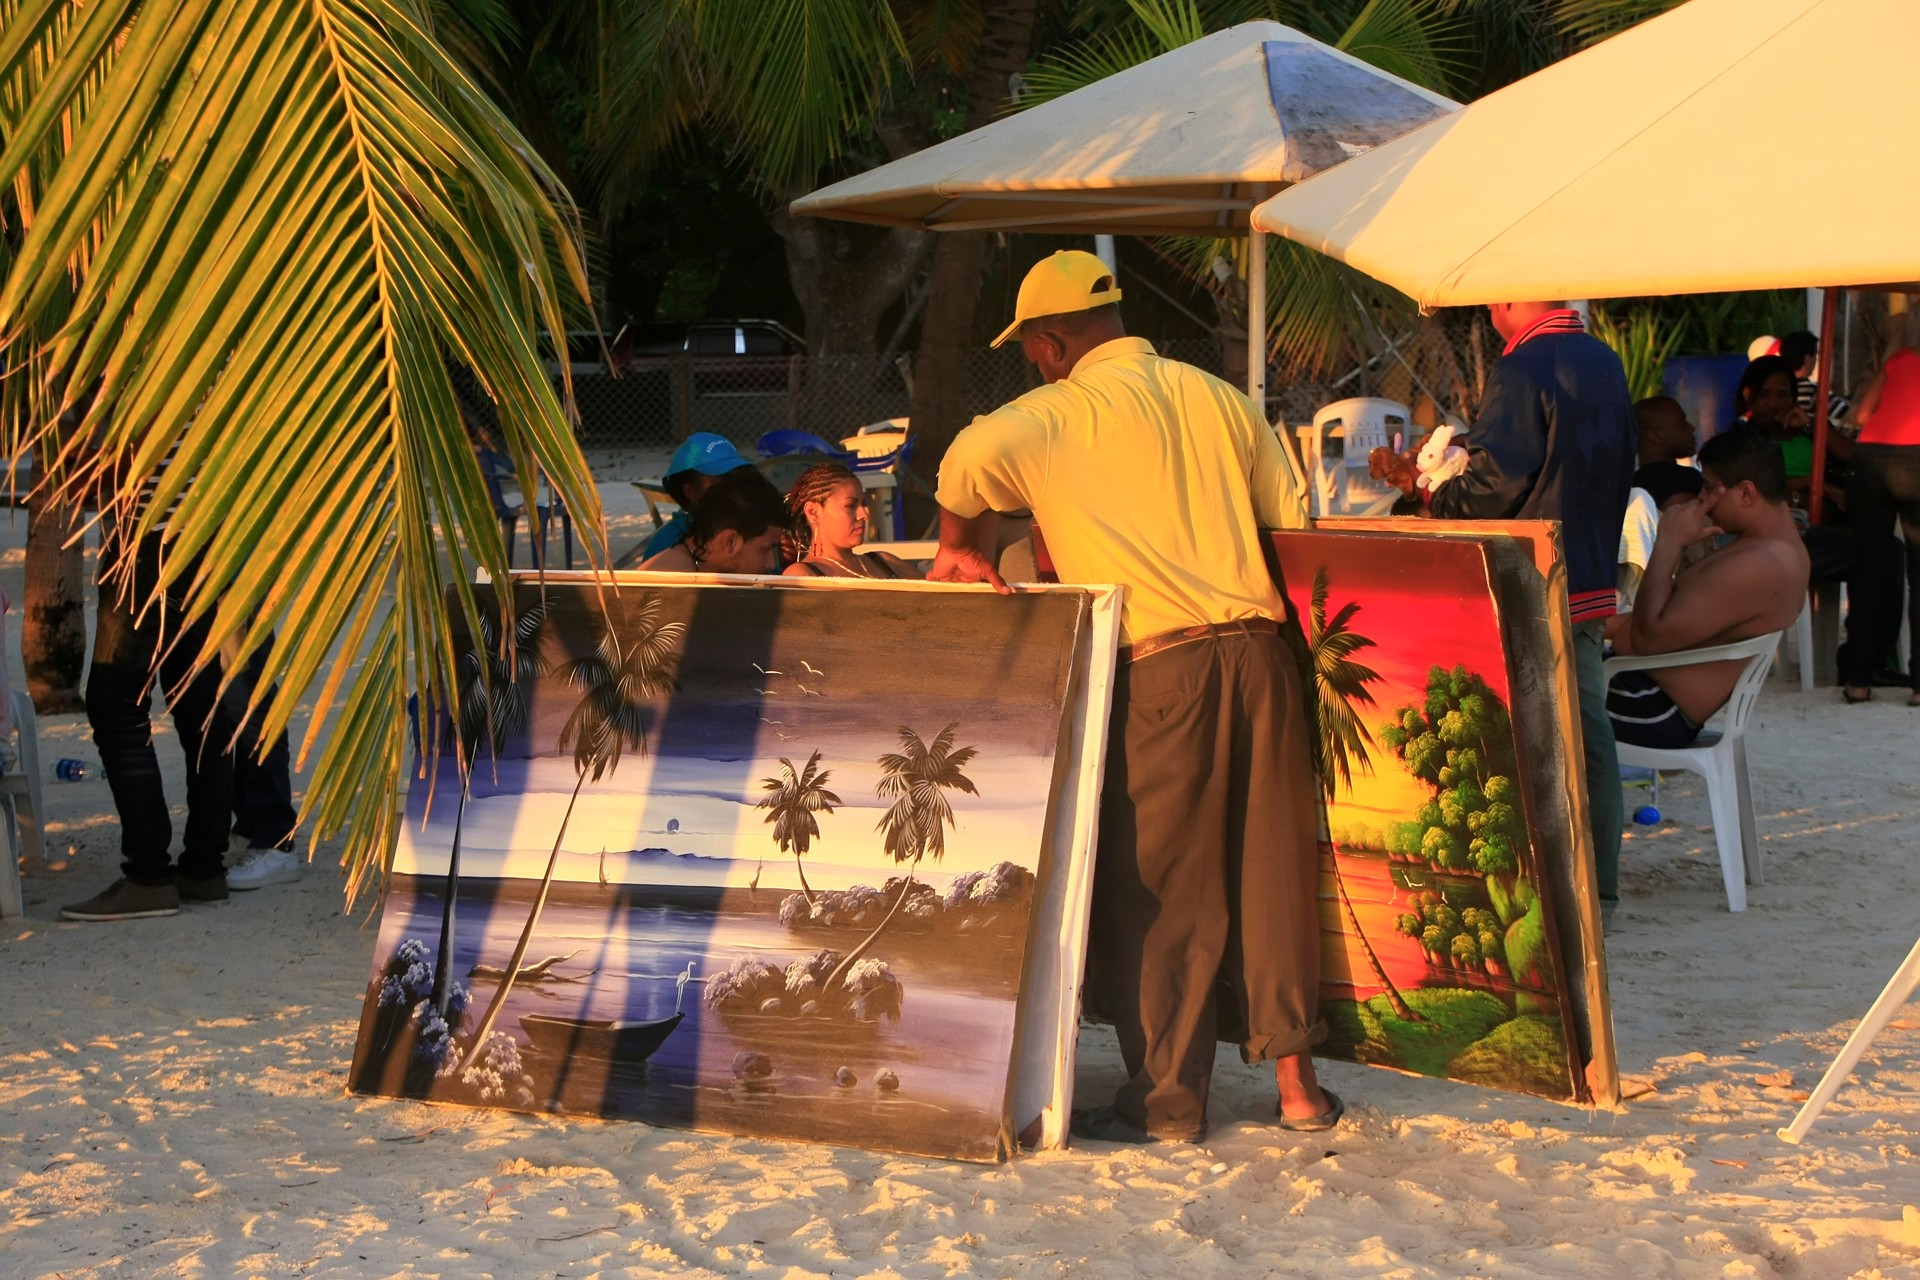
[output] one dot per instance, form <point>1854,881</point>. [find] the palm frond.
<point>1157,27</point>
<point>793,79</point>
<point>1588,22</point>
<point>277,223</point>
<point>1412,39</point>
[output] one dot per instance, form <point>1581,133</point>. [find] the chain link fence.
<point>656,404</point>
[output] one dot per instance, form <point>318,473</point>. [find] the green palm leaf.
<point>1591,21</point>
<point>259,232</point>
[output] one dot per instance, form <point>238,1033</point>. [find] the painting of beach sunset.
<point>1439,939</point>
<point>756,859</point>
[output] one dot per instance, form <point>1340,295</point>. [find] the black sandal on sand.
<point>1314,1124</point>
<point>1857,694</point>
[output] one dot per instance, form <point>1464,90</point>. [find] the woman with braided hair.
<point>828,510</point>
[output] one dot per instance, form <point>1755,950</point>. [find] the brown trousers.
<point>1208,868</point>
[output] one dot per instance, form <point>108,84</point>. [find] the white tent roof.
<point>1180,144</point>
<point>1729,144</point>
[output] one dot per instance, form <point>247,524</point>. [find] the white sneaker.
<point>259,868</point>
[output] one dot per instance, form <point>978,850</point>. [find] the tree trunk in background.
<point>846,275</point>
<point>959,261</point>
<point>53,631</point>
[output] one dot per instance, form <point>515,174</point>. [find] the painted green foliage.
<point>1460,743</point>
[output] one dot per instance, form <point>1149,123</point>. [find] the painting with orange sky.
<point>1438,945</point>
<point>750,871</point>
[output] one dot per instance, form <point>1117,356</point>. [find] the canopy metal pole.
<point>1821,399</point>
<point>1257,309</point>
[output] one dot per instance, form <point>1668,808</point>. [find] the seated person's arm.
<point>1618,632</point>
<point>900,567</point>
<point>1719,593</point>
<point>1869,402</point>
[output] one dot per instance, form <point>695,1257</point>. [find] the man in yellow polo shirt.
<point>1154,475</point>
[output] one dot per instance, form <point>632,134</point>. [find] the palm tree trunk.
<point>53,632</point>
<point>1401,1009</point>
<point>840,971</point>
<point>806,891</point>
<point>526,935</point>
<point>938,407</point>
<point>443,959</point>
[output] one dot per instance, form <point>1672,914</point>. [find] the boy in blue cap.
<point>696,466</point>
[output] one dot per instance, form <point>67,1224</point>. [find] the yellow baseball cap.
<point>1070,280</point>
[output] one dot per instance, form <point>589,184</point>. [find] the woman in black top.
<point>828,509</point>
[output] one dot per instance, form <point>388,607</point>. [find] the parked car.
<point>726,357</point>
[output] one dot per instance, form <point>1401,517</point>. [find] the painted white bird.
<point>764,720</point>
<point>680,986</point>
<point>811,693</point>
<point>811,669</point>
<point>763,671</point>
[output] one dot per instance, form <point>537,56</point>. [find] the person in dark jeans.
<point>137,638</point>
<point>1883,495</point>
<point>261,847</point>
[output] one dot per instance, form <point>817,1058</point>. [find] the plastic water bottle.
<point>69,769</point>
<point>1646,815</point>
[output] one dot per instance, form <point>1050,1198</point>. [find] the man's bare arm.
<point>1718,594</point>
<point>962,556</point>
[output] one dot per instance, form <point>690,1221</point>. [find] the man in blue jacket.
<point>1556,439</point>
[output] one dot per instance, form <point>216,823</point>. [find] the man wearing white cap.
<point>1152,474</point>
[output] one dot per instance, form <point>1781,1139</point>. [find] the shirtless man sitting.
<point>1755,584</point>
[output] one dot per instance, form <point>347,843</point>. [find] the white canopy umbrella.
<point>1184,144</point>
<point>1728,144</point>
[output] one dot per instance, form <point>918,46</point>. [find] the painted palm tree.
<point>630,666</point>
<point>255,316</point>
<point>1339,689</point>
<point>495,677</point>
<point>916,779</point>
<point>792,800</point>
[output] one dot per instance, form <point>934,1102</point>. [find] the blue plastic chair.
<point>786,443</point>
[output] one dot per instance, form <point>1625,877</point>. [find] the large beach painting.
<point>757,859</point>
<point>1440,952</point>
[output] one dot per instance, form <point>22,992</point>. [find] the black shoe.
<point>1106,1124</point>
<point>201,888</point>
<point>1888,678</point>
<point>125,900</point>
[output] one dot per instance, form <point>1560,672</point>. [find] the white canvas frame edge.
<point>1048,1030</point>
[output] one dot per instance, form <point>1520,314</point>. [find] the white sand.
<point>173,1100</point>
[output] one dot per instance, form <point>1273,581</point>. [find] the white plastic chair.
<point>1719,757</point>
<point>1361,424</point>
<point>20,798</point>
<point>1802,643</point>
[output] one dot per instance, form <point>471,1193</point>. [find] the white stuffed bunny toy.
<point>1440,460</point>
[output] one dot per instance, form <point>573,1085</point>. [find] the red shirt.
<point>1897,420</point>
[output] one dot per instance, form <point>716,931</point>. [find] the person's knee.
<point>116,698</point>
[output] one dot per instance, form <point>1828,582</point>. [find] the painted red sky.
<point>1423,600</point>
